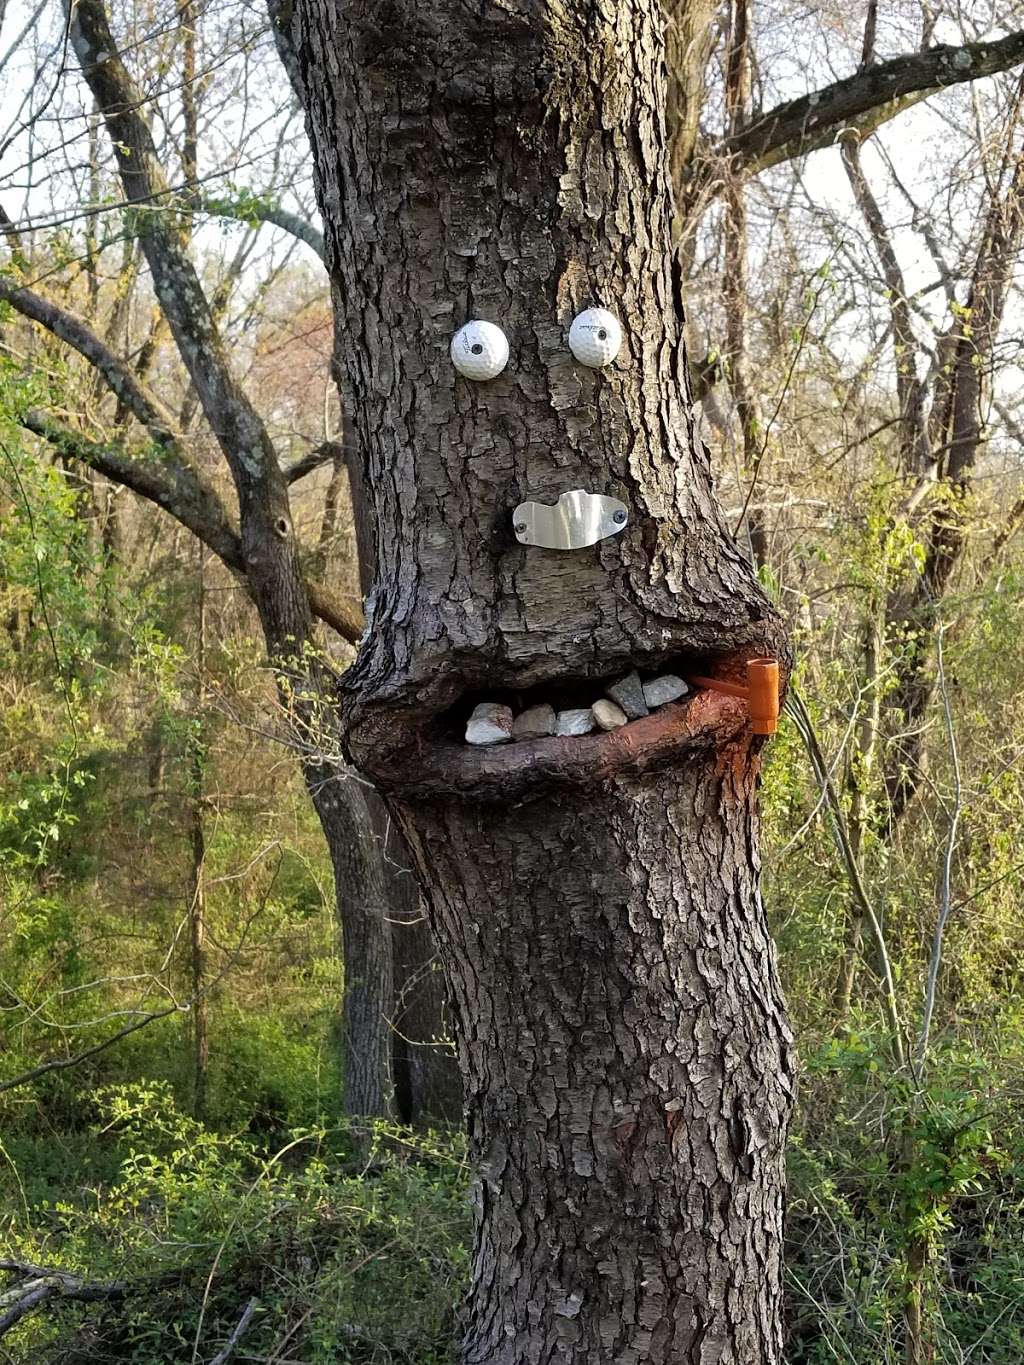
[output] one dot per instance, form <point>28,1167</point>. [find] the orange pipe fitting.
<point>761,691</point>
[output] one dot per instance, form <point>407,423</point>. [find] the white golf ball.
<point>595,337</point>
<point>480,350</point>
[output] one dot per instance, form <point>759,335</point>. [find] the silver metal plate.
<point>577,519</point>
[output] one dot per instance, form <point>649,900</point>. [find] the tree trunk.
<point>624,1053</point>
<point>753,443</point>
<point>364,916</point>
<point>615,1002</point>
<point>427,1081</point>
<point>197,869</point>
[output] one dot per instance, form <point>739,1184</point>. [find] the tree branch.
<point>41,1283</point>
<point>64,1063</point>
<point>915,453</point>
<point>269,545</point>
<point>265,212</point>
<point>343,614</point>
<point>172,485</point>
<point>185,495</point>
<point>222,1357</point>
<point>325,453</point>
<point>863,101</point>
<point>120,378</point>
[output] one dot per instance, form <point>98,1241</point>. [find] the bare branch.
<point>42,1283</point>
<point>121,379</point>
<point>269,544</point>
<point>174,486</point>
<point>182,492</point>
<point>63,1063</point>
<point>325,453</point>
<point>275,214</point>
<point>910,391</point>
<point>222,1357</point>
<point>796,709</point>
<point>863,102</point>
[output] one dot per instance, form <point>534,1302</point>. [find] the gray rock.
<point>577,722</point>
<point>660,691</point>
<point>608,715</point>
<point>535,722</point>
<point>490,723</point>
<point>629,694</point>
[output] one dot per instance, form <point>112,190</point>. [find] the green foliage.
<point>896,1169</point>
<point>351,1255</point>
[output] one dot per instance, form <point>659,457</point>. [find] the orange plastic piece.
<point>761,691</point>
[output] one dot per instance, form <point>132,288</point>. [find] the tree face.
<point>527,187</point>
<point>594,899</point>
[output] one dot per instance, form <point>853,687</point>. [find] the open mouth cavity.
<point>587,706</point>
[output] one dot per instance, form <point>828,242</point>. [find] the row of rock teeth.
<point>628,699</point>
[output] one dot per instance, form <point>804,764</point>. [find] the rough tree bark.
<point>595,900</point>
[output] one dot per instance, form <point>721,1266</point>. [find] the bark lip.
<point>432,761</point>
<point>532,767</point>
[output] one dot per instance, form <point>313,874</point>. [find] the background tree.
<point>173,481</point>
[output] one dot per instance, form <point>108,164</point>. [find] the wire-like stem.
<point>796,709</point>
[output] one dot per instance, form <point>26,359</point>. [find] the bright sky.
<point>255,140</point>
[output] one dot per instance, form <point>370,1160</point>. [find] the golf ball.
<point>595,337</point>
<point>480,350</point>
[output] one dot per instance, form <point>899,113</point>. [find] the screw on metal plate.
<point>577,519</point>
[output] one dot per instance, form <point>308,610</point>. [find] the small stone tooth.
<point>579,721</point>
<point>535,722</point>
<point>660,691</point>
<point>490,723</point>
<point>628,693</point>
<point>608,715</point>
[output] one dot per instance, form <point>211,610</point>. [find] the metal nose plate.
<point>577,519</point>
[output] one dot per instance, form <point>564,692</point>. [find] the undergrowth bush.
<point>878,1166</point>
<point>352,1247</point>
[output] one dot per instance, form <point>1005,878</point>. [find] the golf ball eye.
<point>595,337</point>
<point>479,350</point>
